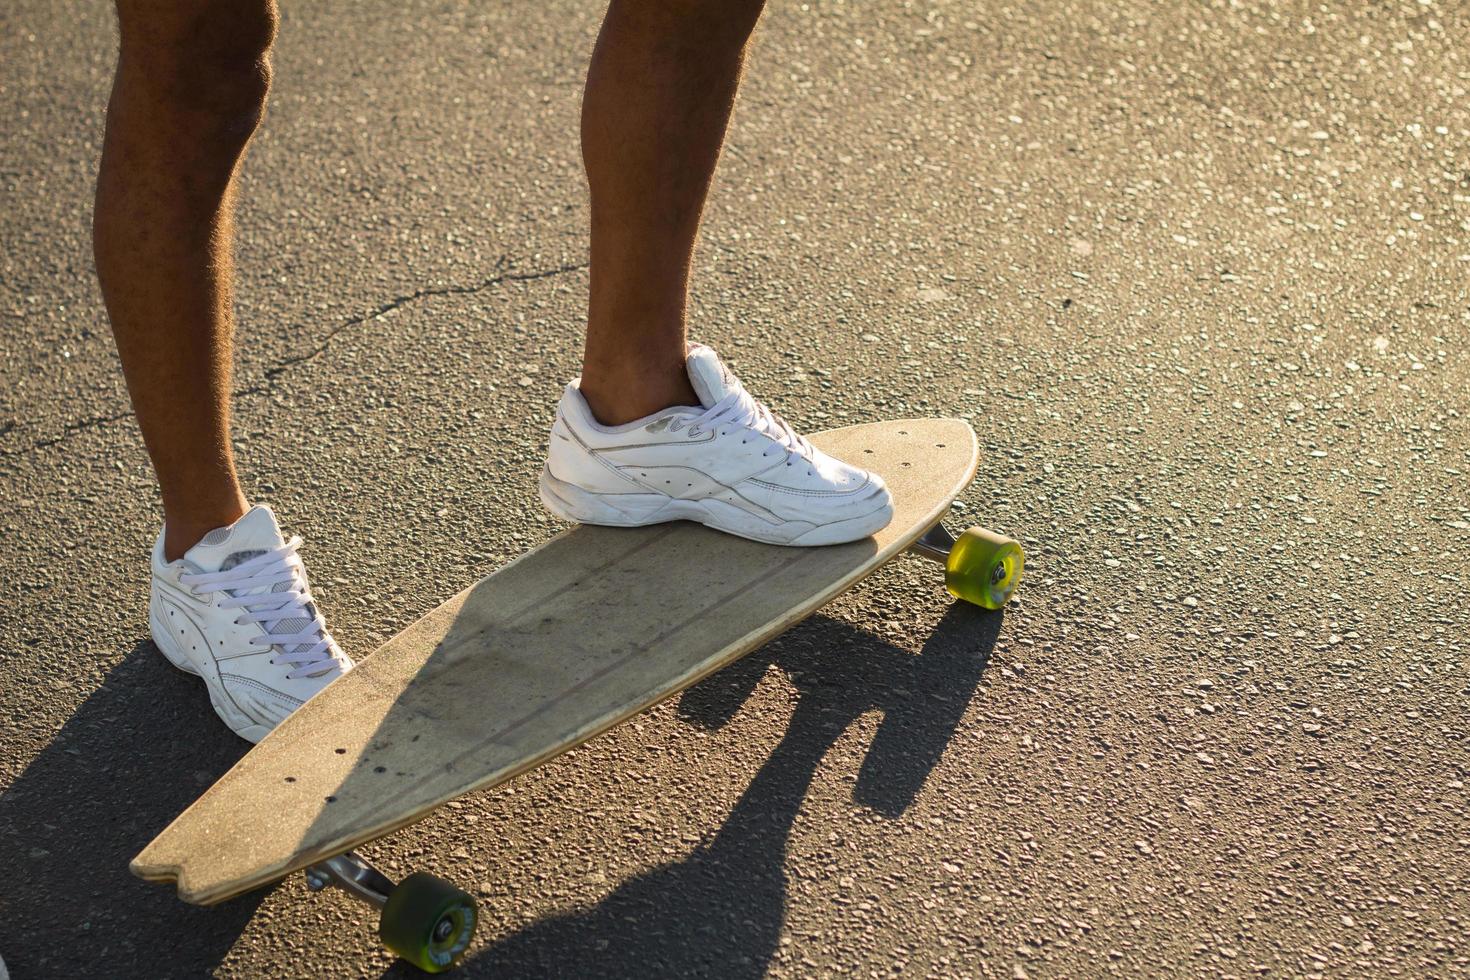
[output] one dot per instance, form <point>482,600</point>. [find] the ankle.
<point>619,395</point>
<point>180,533</point>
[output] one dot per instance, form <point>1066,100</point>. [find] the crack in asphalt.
<point>503,275</point>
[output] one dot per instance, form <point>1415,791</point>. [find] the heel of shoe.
<point>572,503</point>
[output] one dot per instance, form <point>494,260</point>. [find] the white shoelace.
<point>308,651</point>
<point>740,409</point>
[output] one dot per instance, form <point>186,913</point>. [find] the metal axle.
<point>934,544</point>
<point>353,875</point>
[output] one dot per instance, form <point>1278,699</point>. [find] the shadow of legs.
<point>131,757</point>
<point>720,910</point>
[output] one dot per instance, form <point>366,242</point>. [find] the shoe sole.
<point>572,503</point>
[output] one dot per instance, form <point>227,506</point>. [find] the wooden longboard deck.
<point>565,642</point>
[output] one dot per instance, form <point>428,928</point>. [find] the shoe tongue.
<point>708,375</point>
<point>225,547</point>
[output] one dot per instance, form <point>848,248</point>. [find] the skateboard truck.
<point>935,544</point>
<point>424,919</point>
<point>354,876</point>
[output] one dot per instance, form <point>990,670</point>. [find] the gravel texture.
<point>1196,272</point>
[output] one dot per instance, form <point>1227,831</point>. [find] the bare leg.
<point>190,89</point>
<point>659,94</point>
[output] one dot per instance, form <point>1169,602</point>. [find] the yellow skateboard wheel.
<point>428,922</point>
<point>983,568</point>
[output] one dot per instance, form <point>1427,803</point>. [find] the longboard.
<point>576,636</point>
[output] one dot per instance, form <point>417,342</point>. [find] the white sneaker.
<point>731,464</point>
<point>237,611</point>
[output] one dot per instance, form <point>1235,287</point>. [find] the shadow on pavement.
<point>131,757</point>
<point>720,910</point>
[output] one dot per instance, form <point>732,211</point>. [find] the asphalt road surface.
<point>1196,273</point>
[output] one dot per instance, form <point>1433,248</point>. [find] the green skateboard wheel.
<point>983,568</point>
<point>428,922</point>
